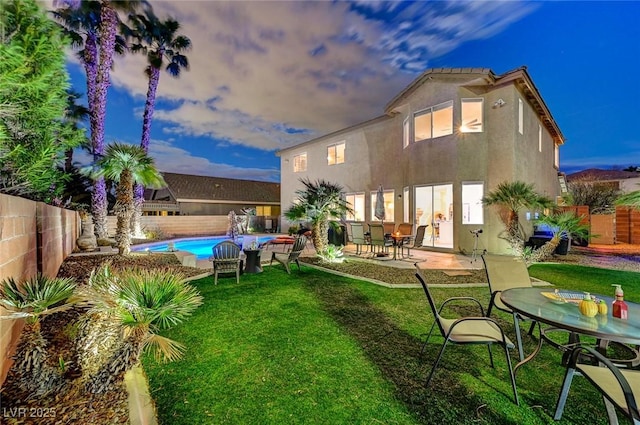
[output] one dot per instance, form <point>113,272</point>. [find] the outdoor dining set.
<point>558,315</point>
<point>381,237</point>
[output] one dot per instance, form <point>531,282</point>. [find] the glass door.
<point>434,207</point>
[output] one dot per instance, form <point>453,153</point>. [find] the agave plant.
<point>31,300</point>
<point>139,303</point>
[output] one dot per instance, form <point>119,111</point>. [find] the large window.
<point>472,118</point>
<point>388,205</point>
<point>335,154</point>
<point>433,122</point>
<point>472,194</point>
<point>300,163</point>
<point>356,202</point>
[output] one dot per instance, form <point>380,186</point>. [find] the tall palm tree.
<point>126,165</point>
<point>321,203</point>
<point>139,303</point>
<point>161,44</point>
<point>95,23</point>
<point>513,197</point>
<point>32,300</point>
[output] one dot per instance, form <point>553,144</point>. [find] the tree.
<point>161,44</point>
<point>99,23</point>
<point>137,303</point>
<point>511,198</point>
<point>33,83</point>
<point>31,300</point>
<point>631,199</point>
<point>321,203</point>
<point>600,197</point>
<point>126,165</point>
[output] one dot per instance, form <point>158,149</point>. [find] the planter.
<point>563,247</point>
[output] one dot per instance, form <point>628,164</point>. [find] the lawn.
<point>315,348</point>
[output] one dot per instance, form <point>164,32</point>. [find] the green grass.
<point>315,348</point>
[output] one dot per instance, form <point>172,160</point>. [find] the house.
<point>442,143</point>
<point>625,181</point>
<point>204,195</point>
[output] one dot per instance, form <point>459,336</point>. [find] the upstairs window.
<point>406,135</point>
<point>300,163</point>
<point>472,115</point>
<point>556,156</point>
<point>539,138</point>
<point>335,154</point>
<point>520,116</point>
<point>433,122</point>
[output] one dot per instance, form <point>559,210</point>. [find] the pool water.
<point>201,247</point>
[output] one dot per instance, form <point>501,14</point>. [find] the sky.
<point>266,75</point>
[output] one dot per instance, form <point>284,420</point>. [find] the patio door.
<point>434,207</point>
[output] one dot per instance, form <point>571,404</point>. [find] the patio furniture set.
<point>512,292</point>
<point>378,240</point>
<point>227,258</point>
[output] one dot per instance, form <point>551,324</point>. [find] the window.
<point>388,205</point>
<point>405,133</point>
<point>556,156</point>
<point>300,163</point>
<point>472,115</point>
<point>472,194</point>
<point>335,154</point>
<point>356,202</point>
<point>263,210</point>
<point>433,122</point>
<point>539,138</point>
<point>520,116</point>
<point>405,205</point>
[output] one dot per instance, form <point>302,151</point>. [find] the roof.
<point>596,174</point>
<point>186,187</point>
<point>485,76</point>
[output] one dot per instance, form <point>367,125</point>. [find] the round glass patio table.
<point>531,303</point>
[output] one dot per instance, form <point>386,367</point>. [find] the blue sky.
<point>267,75</point>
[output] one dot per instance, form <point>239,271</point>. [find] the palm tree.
<point>31,300</point>
<point>321,203</point>
<point>99,23</point>
<point>631,199</point>
<point>564,225</point>
<point>512,197</point>
<point>139,303</point>
<point>159,41</point>
<point>126,165</point>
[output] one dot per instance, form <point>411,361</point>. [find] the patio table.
<point>398,241</point>
<point>532,303</point>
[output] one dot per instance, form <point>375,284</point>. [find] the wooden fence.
<point>627,225</point>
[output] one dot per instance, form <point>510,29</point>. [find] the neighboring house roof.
<point>595,174</point>
<point>519,76</point>
<point>189,188</point>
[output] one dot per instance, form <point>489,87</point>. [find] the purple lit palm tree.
<point>94,25</point>
<point>159,41</point>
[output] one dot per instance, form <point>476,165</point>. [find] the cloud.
<point>304,64</point>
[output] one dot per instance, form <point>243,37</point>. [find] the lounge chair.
<point>620,387</point>
<point>467,330</point>
<point>505,272</point>
<point>226,259</point>
<point>358,238</point>
<point>292,256</point>
<point>378,238</point>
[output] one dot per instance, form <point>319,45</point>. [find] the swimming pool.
<point>201,247</point>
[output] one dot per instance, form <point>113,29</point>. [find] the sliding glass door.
<point>434,207</point>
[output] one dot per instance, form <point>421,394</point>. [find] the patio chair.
<point>416,240</point>
<point>505,272</point>
<point>378,238</point>
<point>292,256</point>
<point>226,259</point>
<point>358,238</point>
<point>467,330</point>
<point>620,387</point>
